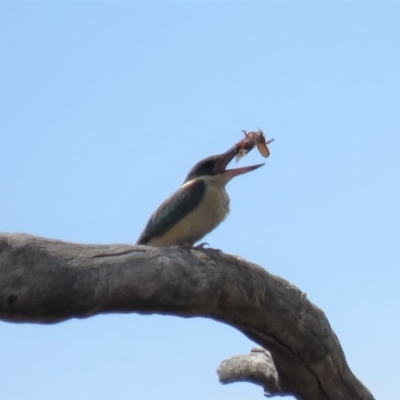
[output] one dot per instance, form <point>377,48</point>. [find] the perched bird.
<point>197,207</point>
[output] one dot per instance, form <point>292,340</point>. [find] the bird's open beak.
<point>225,159</point>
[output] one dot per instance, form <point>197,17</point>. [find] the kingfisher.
<point>197,207</point>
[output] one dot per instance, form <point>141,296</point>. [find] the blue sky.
<point>104,107</point>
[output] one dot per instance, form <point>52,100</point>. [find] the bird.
<point>197,207</point>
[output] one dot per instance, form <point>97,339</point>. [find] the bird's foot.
<point>201,247</point>
<point>197,247</point>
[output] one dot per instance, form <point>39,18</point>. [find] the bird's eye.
<point>207,166</point>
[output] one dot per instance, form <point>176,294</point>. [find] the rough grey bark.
<point>257,367</point>
<point>48,281</point>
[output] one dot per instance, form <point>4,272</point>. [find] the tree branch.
<point>256,367</point>
<point>48,281</point>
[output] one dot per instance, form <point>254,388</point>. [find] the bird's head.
<point>215,166</point>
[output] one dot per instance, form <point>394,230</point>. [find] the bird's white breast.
<point>211,211</point>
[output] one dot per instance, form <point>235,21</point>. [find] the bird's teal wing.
<point>176,207</point>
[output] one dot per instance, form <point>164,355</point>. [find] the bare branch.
<point>256,367</point>
<point>48,281</point>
